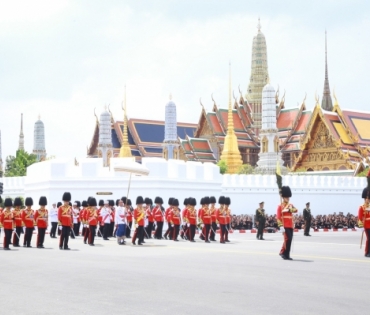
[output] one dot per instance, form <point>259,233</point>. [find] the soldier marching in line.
<point>17,216</point>
<point>128,217</point>
<point>212,211</point>
<point>28,221</point>
<point>175,219</point>
<point>192,218</point>
<point>41,219</point>
<point>261,219</point>
<point>307,217</point>
<point>65,218</point>
<point>205,219</point>
<point>228,218</point>
<point>149,217</point>
<point>184,232</point>
<point>6,222</point>
<point>364,216</point>
<point>82,218</point>
<point>166,216</point>
<point>285,221</point>
<point>92,219</point>
<point>139,217</point>
<point>158,218</point>
<point>221,218</point>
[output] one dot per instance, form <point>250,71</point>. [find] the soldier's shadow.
<point>302,260</point>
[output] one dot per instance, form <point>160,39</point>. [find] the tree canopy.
<point>17,165</point>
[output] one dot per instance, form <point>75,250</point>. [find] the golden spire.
<point>230,153</point>
<point>125,150</point>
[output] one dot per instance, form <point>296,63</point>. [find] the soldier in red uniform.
<point>149,217</point>
<point>364,215</point>
<point>91,217</point>
<point>158,217</point>
<point>166,216</point>
<point>221,218</point>
<point>212,211</point>
<point>205,217</point>
<point>285,220</point>
<point>28,221</point>
<point>200,221</point>
<point>128,204</point>
<point>6,222</point>
<point>175,219</point>
<point>41,219</point>
<point>139,217</point>
<point>192,218</point>
<point>82,217</point>
<point>17,216</point>
<point>184,214</point>
<point>112,215</point>
<point>65,220</point>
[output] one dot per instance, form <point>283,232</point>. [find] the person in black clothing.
<point>261,219</point>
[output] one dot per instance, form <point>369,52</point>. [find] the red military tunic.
<point>28,218</point>
<point>213,213</point>
<point>167,213</point>
<point>364,216</point>
<point>17,215</point>
<point>192,216</point>
<point>91,217</point>
<point>41,218</point>
<point>185,215</point>
<point>139,215</point>
<point>129,215</point>
<point>149,214</point>
<point>285,215</point>
<point>175,218</point>
<point>82,215</point>
<point>205,216</point>
<point>65,216</point>
<point>221,216</point>
<point>157,214</point>
<point>6,219</point>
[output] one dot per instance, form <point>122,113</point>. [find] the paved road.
<point>329,274</point>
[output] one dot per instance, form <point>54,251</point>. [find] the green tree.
<point>17,166</point>
<point>246,169</point>
<point>223,166</point>
<point>363,173</point>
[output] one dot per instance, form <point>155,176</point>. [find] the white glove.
<point>282,230</point>
<point>172,225</point>
<point>35,228</point>
<point>188,224</point>
<point>24,230</point>
<point>60,227</point>
<point>85,226</point>
<point>218,225</point>
<point>360,229</point>
<point>202,225</point>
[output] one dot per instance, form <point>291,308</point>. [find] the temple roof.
<point>197,149</point>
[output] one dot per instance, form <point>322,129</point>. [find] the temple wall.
<point>176,178</point>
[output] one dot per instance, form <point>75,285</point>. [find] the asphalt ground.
<point>329,275</point>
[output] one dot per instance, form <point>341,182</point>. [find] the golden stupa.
<point>125,150</point>
<point>230,153</point>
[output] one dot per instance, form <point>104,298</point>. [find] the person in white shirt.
<point>106,219</point>
<point>53,214</point>
<point>120,219</point>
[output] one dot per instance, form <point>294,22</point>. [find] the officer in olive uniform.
<point>307,217</point>
<point>261,219</point>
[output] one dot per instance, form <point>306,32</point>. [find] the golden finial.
<point>125,150</point>
<point>317,99</point>
<point>201,104</point>
<point>335,99</point>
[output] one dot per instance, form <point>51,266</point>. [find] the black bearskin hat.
<point>212,199</point>
<point>193,202</point>
<point>129,203</point>
<point>92,202</point>
<point>221,200</point>
<point>101,202</point>
<point>201,201</point>
<point>67,197</point>
<point>139,200</point>
<point>58,204</point>
<point>84,203</point>
<point>157,200</point>
<point>286,192</point>
<point>206,201</point>
<point>43,201</point>
<point>170,201</point>
<point>117,202</point>
<point>8,203</point>
<point>29,201</point>
<point>227,201</point>
<point>147,201</point>
<point>17,202</point>
<point>186,201</point>
<point>175,202</point>
<point>111,203</point>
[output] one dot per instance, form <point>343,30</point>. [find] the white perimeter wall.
<point>180,179</point>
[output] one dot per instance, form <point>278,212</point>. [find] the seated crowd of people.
<point>330,221</point>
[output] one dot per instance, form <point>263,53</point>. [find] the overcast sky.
<point>62,59</point>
